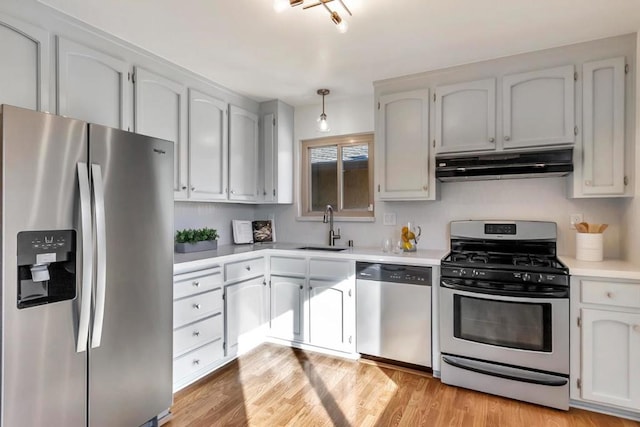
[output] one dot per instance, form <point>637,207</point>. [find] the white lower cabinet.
<point>313,302</point>
<point>246,308</point>
<point>287,307</point>
<point>198,334</point>
<point>606,343</point>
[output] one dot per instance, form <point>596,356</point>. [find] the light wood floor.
<point>280,386</point>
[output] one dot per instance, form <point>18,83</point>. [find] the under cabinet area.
<point>605,343</point>
<point>198,322</point>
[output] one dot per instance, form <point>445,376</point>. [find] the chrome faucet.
<point>328,218</point>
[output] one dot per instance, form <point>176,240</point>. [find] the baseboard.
<point>594,407</point>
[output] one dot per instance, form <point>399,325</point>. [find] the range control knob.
<point>462,272</point>
<point>526,277</point>
<point>540,278</point>
<point>475,273</point>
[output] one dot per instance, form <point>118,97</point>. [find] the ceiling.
<point>248,47</point>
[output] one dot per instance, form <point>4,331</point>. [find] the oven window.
<point>521,325</point>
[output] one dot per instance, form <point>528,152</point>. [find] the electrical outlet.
<point>389,218</point>
<point>575,219</point>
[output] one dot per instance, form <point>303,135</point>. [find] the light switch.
<point>389,218</point>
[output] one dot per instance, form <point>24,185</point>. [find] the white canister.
<point>589,246</point>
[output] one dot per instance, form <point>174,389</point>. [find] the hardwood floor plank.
<point>278,386</point>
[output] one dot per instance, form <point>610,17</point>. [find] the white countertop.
<point>197,260</point>
<point>609,268</point>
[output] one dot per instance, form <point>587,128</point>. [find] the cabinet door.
<point>331,314</point>
<point>24,72</point>
<point>161,112</point>
<point>276,152</point>
<point>538,108</point>
<point>243,155</point>
<point>92,86</point>
<point>246,308</point>
<point>603,122</point>
<point>207,147</point>
<point>287,301</point>
<point>610,355</point>
<point>466,116</point>
<point>403,137</point>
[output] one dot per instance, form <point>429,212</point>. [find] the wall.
<point>535,199</point>
<point>212,215</point>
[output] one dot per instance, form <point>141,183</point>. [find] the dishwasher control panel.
<point>396,273</point>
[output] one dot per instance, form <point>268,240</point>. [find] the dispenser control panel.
<point>45,246</point>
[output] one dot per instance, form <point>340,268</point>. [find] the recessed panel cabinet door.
<point>243,155</point>
<point>24,69</point>
<point>610,355</point>
<point>466,116</point>
<point>538,108</point>
<point>207,147</point>
<point>603,170</point>
<point>161,112</point>
<point>287,302</point>
<point>331,314</point>
<point>403,146</point>
<point>92,86</point>
<point>246,307</point>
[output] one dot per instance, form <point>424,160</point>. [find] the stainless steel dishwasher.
<point>393,312</point>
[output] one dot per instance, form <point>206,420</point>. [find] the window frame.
<point>305,174</point>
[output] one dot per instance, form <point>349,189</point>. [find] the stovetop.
<point>523,261</point>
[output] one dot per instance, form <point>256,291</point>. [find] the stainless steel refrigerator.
<point>87,259</point>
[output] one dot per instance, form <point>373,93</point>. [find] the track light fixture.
<point>323,126</point>
<point>341,24</point>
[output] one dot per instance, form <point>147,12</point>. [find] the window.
<point>338,171</point>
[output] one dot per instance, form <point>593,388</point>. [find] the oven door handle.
<point>506,372</point>
<point>505,292</point>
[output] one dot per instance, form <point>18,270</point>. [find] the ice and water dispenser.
<point>46,267</point>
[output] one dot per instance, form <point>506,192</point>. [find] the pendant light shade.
<point>323,125</point>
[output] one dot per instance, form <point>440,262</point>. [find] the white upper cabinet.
<point>600,171</point>
<point>403,146</point>
<point>276,152</point>
<point>243,155</point>
<point>25,82</point>
<point>538,108</point>
<point>466,116</point>
<point>92,86</point>
<point>207,147</point>
<point>161,112</point>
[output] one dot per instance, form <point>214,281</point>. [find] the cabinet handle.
<point>507,138</point>
<point>425,187</point>
<point>349,292</point>
<point>609,294</point>
<point>196,284</point>
<point>184,187</point>
<point>350,339</point>
<point>196,333</point>
<point>248,267</point>
<point>232,192</point>
<point>196,362</point>
<point>492,139</point>
<point>193,188</point>
<point>301,287</point>
<point>587,183</point>
<point>196,306</point>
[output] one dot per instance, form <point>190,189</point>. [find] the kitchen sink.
<point>322,248</point>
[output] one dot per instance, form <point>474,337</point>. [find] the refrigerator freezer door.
<point>130,371</point>
<point>43,377</point>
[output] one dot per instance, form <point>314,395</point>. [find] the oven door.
<point>518,331</point>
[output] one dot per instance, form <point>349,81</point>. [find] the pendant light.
<point>323,126</point>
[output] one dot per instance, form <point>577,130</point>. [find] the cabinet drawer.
<point>288,266</point>
<point>331,268</point>
<point>197,334</point>
<point>196,307</point>
<point>610,293</point>
<point>196,360</point>
<point>244,269</point>
<point>196,282</point>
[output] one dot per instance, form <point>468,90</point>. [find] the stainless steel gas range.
<point>504,316</point>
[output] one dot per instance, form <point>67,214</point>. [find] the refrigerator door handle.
<point>87,257</point>
<point>101,254</point>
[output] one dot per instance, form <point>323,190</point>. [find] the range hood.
<point>505,165</point>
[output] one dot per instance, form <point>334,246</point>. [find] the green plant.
<point>196,235</point>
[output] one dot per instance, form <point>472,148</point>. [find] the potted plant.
<point>195,240</point>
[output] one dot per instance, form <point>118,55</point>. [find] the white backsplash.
<point>212,215</point>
